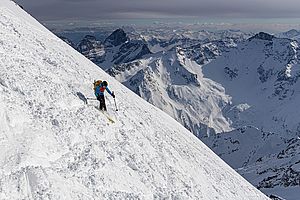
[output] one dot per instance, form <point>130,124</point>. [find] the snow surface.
<point>55,147</point>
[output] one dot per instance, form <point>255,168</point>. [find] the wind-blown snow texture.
<point>55,147</point>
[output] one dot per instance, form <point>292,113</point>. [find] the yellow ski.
<point>106,115</point>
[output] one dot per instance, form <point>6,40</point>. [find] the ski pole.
<point>116,104</point>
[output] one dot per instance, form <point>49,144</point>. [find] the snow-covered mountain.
<point>55,147</point>
<point>291,34</point>
<point>163,40</point>
<point>152,39</point>
<point>91,48</point>
<point>117,48</point>
<point>261,65</point>
<point>261,77</point>
<point>175,84</point>
<point>203,53</point>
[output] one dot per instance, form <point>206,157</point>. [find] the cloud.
<point>114,9</point>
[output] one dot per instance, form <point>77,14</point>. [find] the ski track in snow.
<point>55,147</point>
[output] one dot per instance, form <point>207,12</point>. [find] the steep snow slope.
<point>55,147</point>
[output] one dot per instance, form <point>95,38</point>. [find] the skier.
<point>99,88</point>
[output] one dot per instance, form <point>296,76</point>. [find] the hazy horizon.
<point>255,15</point>
<point>253,25</point>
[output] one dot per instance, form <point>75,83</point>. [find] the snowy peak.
<point>177,65</point>
<point>116,49</point>
<point>293,33</point>
<point>117,38</point>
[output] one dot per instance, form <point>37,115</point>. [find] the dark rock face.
<point>232,73</point>
<point>119,69</point>
<point>275,197</point>
<point>262,36</point>
<point>264,74</point>
<point>131,51</point>
<point>87,43</point>
<point>117,38</point>
<point>203,53</point>
<point>116,49</point>
<point>91,48</point>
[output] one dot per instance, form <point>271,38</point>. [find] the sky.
<point>270,11</point>
<point>131,9</point>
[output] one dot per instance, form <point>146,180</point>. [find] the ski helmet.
<point>105,83</point>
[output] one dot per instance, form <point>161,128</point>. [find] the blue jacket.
<point>100,89</point>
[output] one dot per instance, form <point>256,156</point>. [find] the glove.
<point>113,95</point>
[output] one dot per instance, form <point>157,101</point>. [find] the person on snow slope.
<point>99,88</point>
